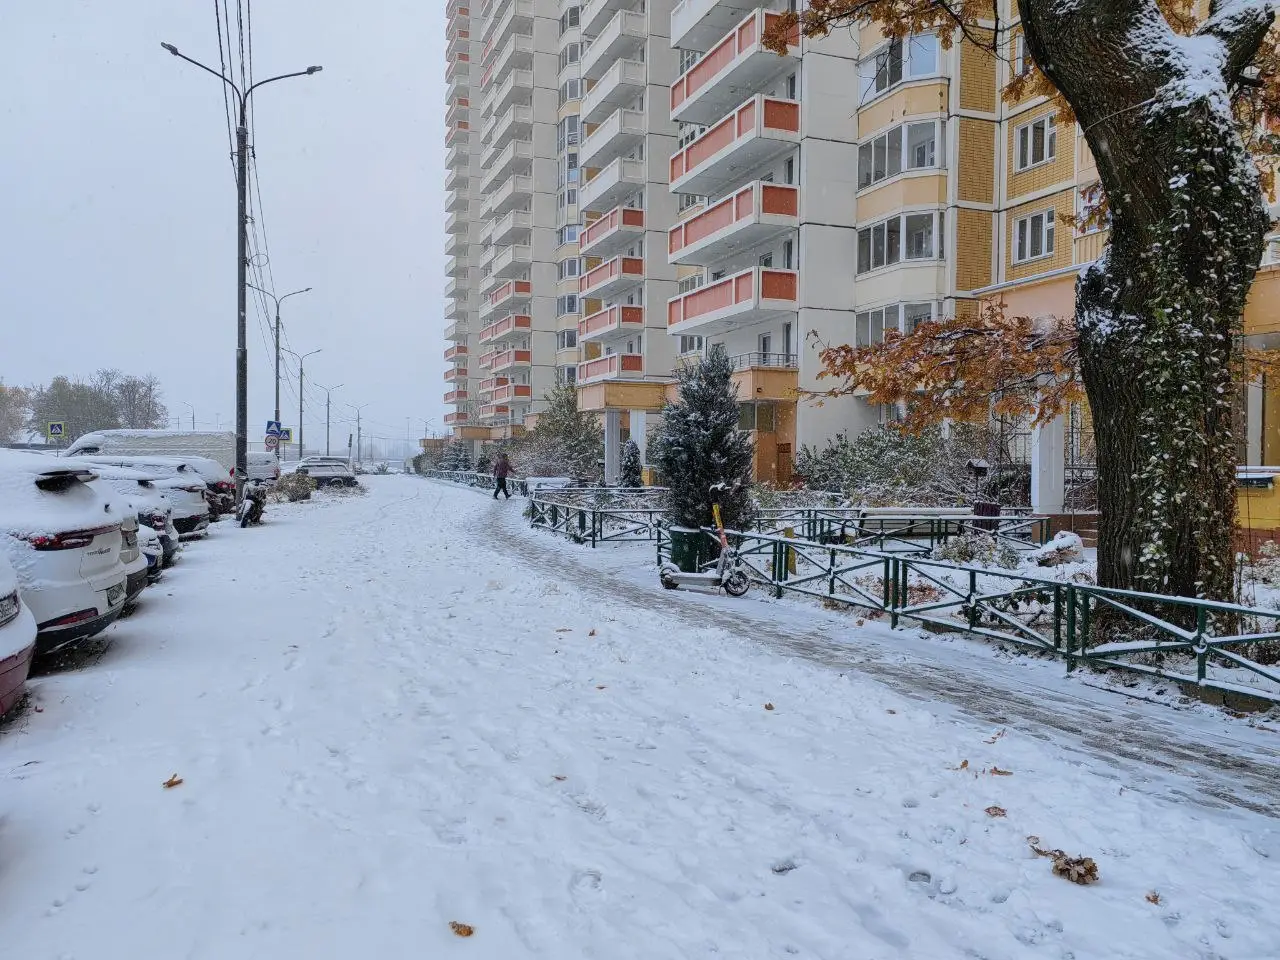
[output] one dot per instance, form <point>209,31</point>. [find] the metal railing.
<point>744,361</point>
<point>596,525</point>
<point>480,481</point>
<point>1186,640</point>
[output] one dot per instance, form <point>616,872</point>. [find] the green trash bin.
<point>689,548</point>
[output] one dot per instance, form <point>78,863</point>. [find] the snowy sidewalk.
<point>387,718</point>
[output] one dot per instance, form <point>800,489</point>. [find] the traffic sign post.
<point>57,429</point>
<point>270,441</point>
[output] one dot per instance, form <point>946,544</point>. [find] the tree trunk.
<point>1159,313</point>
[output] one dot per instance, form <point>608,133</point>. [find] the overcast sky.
<point>117,203</point>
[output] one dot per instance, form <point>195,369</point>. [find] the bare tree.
<point>13,412</point>
<point>139,404</point>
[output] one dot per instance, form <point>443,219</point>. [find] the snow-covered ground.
<point>396,711</point>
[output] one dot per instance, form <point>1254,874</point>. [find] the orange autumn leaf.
<point>997,772</point>
<point>768,706</point>
<point>1152,897</point>
<point>995,811</point>
<point>461,929</point>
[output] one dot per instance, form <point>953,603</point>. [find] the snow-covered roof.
<point>26,510</point>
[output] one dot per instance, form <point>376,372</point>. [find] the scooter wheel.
<point>244,522</point>
<point>737,584</point>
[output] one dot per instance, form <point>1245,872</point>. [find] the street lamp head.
<point>310,70</point>
<point>171,48</point>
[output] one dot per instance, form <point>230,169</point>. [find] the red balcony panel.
<point>457,350</point>
<point>455,396</point>
<point>760,118</point>
<point>615,365</point>
<point>758,203</point>
<point>615,269</point>
<point>513,391</point>
<point>510,289</point>
<point>512,323</point>
<point>752,295</point>
<point>615,319</point>
<point>616,219</point>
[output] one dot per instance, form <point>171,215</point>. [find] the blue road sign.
<point>273,428</point>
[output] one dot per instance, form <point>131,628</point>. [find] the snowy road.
<point>439,716</point>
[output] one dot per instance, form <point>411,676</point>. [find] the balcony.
<point>459,109</point>
<point>512,326</point>
<point>516,17</point>
<point>457,223</point>
<point>456,396</point>
<point>513,392</point>
<point>514,157</point>
<point>612,184</point>
<point>513,227</point>
<point>457,200</point>
<point>494,412</point>
<point>457,134</point>
<point>515,193</point>
<point>457,350</point>
<point>516,88</point>
<point>611,277</point>
<point>456,267</point>
<point>457,42</point>
<point>760,130</point>
<point>611,233</point>
<point>459,67</point>
<point>614,138</point>
<point>456,331</point>
<point>456,9</point>
<point>597,13</point>
<point>700,24</point>
<point>615,366</point>
<point>622,36</point>
<point>766,376</point>
<point>486,359</point>
<point>753,215</point>
<point>455,374</point>
<point>458,156</point>
<point>487,386</point>
<point>455,287</point>
<point>457,178</point>
<point>457,311</point>
<point>735,68</point>
<point>509,294</point>
<point>456,244</point>
<point>513,261</point>
<point>510,360</point>
<point>755,295</point>
<point>457,86</point>
<point>516,54</point>
<point>611,323</point>
<point>620,85</point>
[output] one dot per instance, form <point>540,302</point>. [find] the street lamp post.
<point>327,392</point>
<point>357,409</point>
<point>242,255</point>
<point>301,358</point>
<point>277,301</point>
<point>193,414</point>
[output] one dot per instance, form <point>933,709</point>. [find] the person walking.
<point>501,467</point>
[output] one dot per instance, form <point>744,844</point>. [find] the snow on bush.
<point>977,549</point>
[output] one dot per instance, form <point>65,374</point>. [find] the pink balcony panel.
<point>757,131</point>
<point>751,215</point>
<point>510,290</point>
<point>515,323</point>
<point>619,225</point>
<point>513,391</point>
<point>457,350</point>
<point>493,383</point>
<point>455,396</point>
<point>615,366</point>
<point>456,373</point>
<point>494,410</point>
<point>740,52</point>
<point>510,358</point>
<point>620,272</point>
<point>751,296</point>
<point>458,417</point>
<point>611,321</point>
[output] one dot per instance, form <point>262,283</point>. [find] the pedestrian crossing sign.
<point>286,434</point>
<point>57,430</point>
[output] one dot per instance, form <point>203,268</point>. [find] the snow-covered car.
<point>17,638</point>
<point>153,551</point>
<point>220,491</point>
<point>152,505</point>
<point>185,489</point>
<point>61,532</point>
<point>264,467</point>
<point>328,474</point>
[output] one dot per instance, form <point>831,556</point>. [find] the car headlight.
<point>9,607</point>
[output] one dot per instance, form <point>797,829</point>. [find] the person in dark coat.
<point>501,467</point>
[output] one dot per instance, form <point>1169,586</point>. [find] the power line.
<point>226,97</point>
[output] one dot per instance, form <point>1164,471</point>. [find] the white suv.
<point>63,537</point>
<point>17,639</point>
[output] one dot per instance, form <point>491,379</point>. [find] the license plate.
<point>115,594</point>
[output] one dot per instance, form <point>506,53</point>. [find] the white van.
<point>217,445</point>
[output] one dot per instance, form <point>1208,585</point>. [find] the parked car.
<point>218,445</point>
<point>188,491</point>
<point>153,551</point>
<point>328,474</point>
<point>264,467</point>
<point>61,532</point>
<point>152,505</point>
<point>135,564</point>
<point>17,638</point>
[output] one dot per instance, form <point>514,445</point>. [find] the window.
<point>567,133</point>
<point>688,58</point>
<point>788,255</point>
<point>569,268</point>
<point>571,90</point>
<point>571,53</point>
<point>789,170</point>
<point>566,304</point>
<point>689,132</point>
<point>919,57</point>
<point>910,147</point>
<point>688,200</point>
<point>870,325</point>
<point>566,339</point>
<point>766,260</point>
<point>567,374</point>
<point>1037,142</point>
<point>689,284</point>
<point>690,345</point>
<point>569,233</point>
<point>569,20</point>
<point>791,87</point>
<point>913,236</point>
<point>1091,208</point>
<point>766,343</point>
<point>568,198</point>
<point>1033,236</point>
<point>922,145</point>
<point>1018,56</point>
<point>757,416</point>
<point>914,314</point>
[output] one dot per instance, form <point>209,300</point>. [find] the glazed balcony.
<point>754,214</point>
<point>516,54</point>
<point>700,24</point>
<point>512,227</point>
<point>459,68</point>
<point>456,351</point>
<point>754,295</point>
<point>514,157</point>
<point>516,88</point>
<point>455,374</point>
<point>611,233</point>
<point>513,392</point>
<point>614,366</point>
<point>623,36</point>
<point>513,326</point>
<point>761,129</point>
<point>735,68</point>
<point>515,17</point>
<point>514,193</point>
<point>612,184</point>
<point>621,133</point>
<point>456,396</point>
<point>621,84</point>
<point>511,360</point>
<point>611,277</point>
<point>513,261</point>
<point>611,323</point>
<point>510,293</point>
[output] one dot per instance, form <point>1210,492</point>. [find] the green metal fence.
<point>481,481</point>
<point>595,525</point>
<point>1219,648</point>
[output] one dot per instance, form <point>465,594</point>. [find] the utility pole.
<point>301,358</point>
<point>327,397</point>
<point>242,256</point>
<point>278,301</point>
<point>358,436</point>
<point>193,415</point>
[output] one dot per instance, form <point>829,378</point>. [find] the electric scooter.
<point>728,574</point>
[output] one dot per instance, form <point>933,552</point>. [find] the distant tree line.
<point>108,400</point>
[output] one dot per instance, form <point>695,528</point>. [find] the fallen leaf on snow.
<point>600,686</point>
<point>996,737</point>
<point>1081,870</point>
<point>461,929</point>
<point>558,777</point>
<point>172,782</point>
<point>1153,897</point>
<point>768,706</point>
<point>997,772</point>
<point>964,765</point>
<point>564,630</point>
<point>995,811</point>
<point>891,711</point>
<point>592,632</point>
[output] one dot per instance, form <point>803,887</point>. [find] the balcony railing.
<point>611,276</point>
<point>713,85</point>
<point>758,130</point>
<point>619,227</point>
<point>453,374</point>
<point>457,350</point>
<point>614,366</point>
<point>618,320</point>
<point>455,396</point>
<point>745,361</point>
<point>614,138</point>
<point>624,34</point>
<point>620,85</point>
<point>516,392</point>
<point>516,324</point>
<point>459,66</point>
<point>611,184</point>
<point>699,24</point>
<point>459,418</point>
<point>752,215</point>
<point>492,383</point>
<point>751,296</point>
<point>506,359</point>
